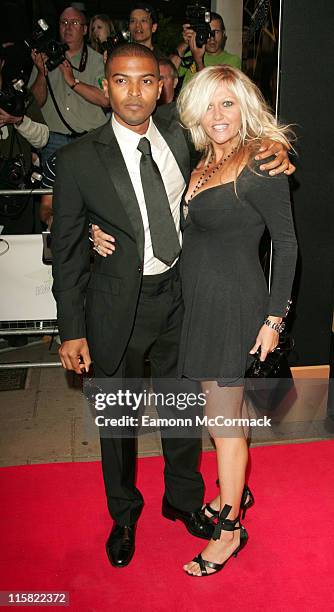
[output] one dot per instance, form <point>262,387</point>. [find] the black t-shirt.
<point>11,138</point>
<point>16,211</point>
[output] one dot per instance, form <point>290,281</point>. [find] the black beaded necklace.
<point>205,177</point>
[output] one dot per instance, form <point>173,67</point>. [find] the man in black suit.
<point>130,304</point>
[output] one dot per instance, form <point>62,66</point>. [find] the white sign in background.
<point>25,281</point>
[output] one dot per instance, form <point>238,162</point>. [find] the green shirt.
<point>209,60</point>
<point>80,114</point>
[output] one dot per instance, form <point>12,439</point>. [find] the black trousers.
<point>155,334</point>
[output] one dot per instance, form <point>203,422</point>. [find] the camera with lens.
<point>42,42</point>
<point>14,99</point>
<point>12,172</point>
<point>199,18</point>
<point>15,175</point>
<point>114,40</point>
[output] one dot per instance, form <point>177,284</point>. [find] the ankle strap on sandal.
<point>225,524</point>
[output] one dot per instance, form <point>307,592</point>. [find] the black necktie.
<point>165,241</point>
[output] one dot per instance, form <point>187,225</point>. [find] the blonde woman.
<point>229,314</point>
<point>100,27</point>
<point>227,206</point>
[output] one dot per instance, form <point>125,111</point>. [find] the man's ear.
<point>176,80</point>
<point>154,27</point>
<point>161,84</point>
<point>105,88</point>
<point>85,30</point>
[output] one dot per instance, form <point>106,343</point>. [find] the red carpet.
<point>54,524</point>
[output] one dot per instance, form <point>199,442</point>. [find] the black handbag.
<point>276,364</point>
<point>270,381</point>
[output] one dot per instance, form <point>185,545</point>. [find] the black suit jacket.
<point>93,186</point>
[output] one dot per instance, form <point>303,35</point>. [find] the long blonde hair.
<point>94,42</point>
<point>257,120</point>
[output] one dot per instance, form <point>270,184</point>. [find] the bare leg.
<point>232,456</point>
<point>229,392</point>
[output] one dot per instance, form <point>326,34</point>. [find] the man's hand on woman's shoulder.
<point>281,163</point>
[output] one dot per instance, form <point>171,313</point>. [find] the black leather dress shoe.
<point>197,523</point>
<point>120,546</point>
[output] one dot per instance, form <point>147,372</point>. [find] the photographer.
<point>143,23</point>
<point>19,134</point>
<point>73,86</point>
<point>100,29</point>
<point>210,54</point>
<point>169,76</point>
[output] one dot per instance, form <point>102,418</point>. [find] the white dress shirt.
<point>173,180</point>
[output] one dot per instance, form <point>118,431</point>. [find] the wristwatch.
<point>279,327</point>
<point>76,82</point>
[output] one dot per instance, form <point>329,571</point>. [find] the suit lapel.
<point>175,138</point>
<point>112,159</point>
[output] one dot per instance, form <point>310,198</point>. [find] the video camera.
<point>199,18</point>
<point>42,42</point>
<point>114,40</point>
<point>14,99</point>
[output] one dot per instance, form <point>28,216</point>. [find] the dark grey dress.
<point>225,293</point>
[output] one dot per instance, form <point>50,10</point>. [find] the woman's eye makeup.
<point>224,104</point>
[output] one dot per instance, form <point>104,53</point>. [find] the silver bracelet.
<point>288,306</point>
<point>279,327</point>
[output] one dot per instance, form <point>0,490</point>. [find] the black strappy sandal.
<point>224,524</point>
<point>213,513</point>
<point>247,501</point>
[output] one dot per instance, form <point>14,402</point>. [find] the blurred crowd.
<point>55,94</point>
